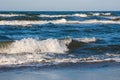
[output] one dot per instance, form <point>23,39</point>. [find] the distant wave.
<point>101,14</point>
<point>96,21</point>
<point>59,21</point>
<point>115,18</point>
<point>52,16</point>
<point>43,15</point>
<point>11,15</point>
<point>68,15</point>
<point>77,15</point>
<point>17,22</point>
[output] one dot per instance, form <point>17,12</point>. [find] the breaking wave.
<point>33,52</point>
<point>73,15</point>
<point>11,15</point>
<point>16,22</point>
<point>41,60</point>
<point>64,15</point>
<point>35,46</point>
<point>59,21</point>
<point>101,14</point>
<point>31,45</point>
<point>77,15</point>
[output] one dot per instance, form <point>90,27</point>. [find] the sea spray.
<point>30,45</point>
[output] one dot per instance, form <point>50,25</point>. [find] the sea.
<point>59,45</point>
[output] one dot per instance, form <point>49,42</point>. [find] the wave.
<point>115,19</point>
<point>59,21</point>
<point>101,14</point>
<point>68,15</point>
<point>17,22</point>
<point>11,15</point>
<point>95,21</point>
<point>43,15</point>
<point>52,16</point>
<point>35,46</point>
<point>80,15</point>
<point>77,15</point>
<point>56,15</point>
<point>41,60</point>
<point>34,52</point>
<point>50,45</point>
<point>106,14</point>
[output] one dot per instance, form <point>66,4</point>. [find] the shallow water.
<point>94,71</point>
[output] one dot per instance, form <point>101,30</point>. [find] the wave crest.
<point>11,15</point>
<point>50,45</point>
<point>40,60</point>
<point>101,14</point>
<point>59,21</point>
<point>30,45</point>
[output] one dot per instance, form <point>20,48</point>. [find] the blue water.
<point>104,27</point>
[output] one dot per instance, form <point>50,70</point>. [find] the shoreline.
<point>103,71</point>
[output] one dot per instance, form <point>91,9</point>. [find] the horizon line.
<point>52,10</point>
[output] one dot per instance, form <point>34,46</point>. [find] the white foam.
<point>21,22</point>
<point>17,22</point>
<point>96,14</point>
<point>52,16</point>
<point>101,14</point>
<point>44,59</point>
<point>68,15</point>
<point>94,21</point>
<point>106,14</point>
<point>30,45</point>
<point>10,15</point>
<point>33,59</point>
<point>7,60</point>
<point>81,15</point>
<point>60,21</point>
<point>117,18</point>
<point>116,59</point>
<point>86,40</point>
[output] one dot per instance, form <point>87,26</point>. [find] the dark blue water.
<point>98,34</point>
